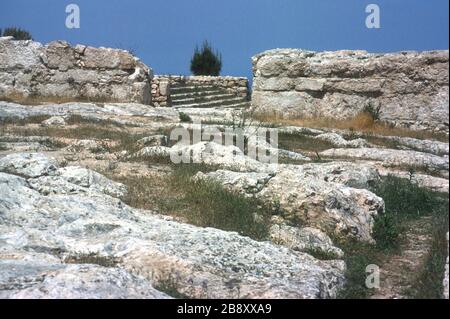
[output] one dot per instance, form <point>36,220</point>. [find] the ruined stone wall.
<point>57,71</point>
<point>161,85</point>
<point>409,89</point>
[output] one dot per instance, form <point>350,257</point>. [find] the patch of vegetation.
<point>211,205</point>
<point>383,142</point>
<point>76,119</point>
<point>93,259</point>
<point>202,203</point>
<point>357,257</point>
<point>321,255</point>
<point>363,122</point>
<point>296,142</point>
<point>35,99</point>
<point>35,119</point>
<point>185,118</point>
<point>16,33</point>
<point>428,283</point>
<point>405,202</point>
<point>373,111</point>
<point>206,61</point>
<point>169,285</point>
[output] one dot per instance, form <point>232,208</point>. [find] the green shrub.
<point>205,61</point>
<point>373,111</point>
<point>17,33</point>
<point>185,118</point>
<point>406,199</point>
<point>386,231</point>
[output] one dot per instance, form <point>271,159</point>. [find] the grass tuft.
<point>363,122</point>
<point>405,202</point>
<point>211,205</point>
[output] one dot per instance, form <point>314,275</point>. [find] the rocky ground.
<point>91,206</point>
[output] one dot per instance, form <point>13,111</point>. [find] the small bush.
<point>185,118</point>
<point>17,33</point>
<point>205,61</point>
<point>373,111</point>
<point>386,231</point>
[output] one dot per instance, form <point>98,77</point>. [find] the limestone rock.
<point>249,183</point>
<point>93,112</point>
<point>54,121</point>
<point>433,183</point>
<point>92,228</point>
<point>84,145</point>
<point>154,140</point>
<point>309,240</point>
<point>154,151</point>
<point>426,146</point>
<point>33,280</point>
<point>28,164</point>
<point>390,157</point>
<point>210,153</point>
<point>409,89</point>
<point>315,195</point>
<point>30,69</point>
<point>338,141</point>
<point>66,179</point>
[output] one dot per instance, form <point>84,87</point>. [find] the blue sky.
<point>164,33</point>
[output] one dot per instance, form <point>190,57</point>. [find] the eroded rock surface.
<point>58,70</point>
<point>408,89</point>
<point>133,248</point>
<point>309,240</point>
<point>391,157</point>
<point>315,195</point>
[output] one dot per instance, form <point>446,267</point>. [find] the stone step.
<point>223,104</point>
<point>193,89</point>
<point>197,93</point>
<point>205,98</point>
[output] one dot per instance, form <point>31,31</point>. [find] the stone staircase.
<point>204,96</point>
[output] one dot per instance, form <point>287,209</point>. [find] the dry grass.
<point>363,122</point>
<point>35,119</point>
<point>37,100</point>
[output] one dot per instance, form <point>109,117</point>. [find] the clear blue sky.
<point>164,33</point>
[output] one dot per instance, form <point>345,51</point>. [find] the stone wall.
<point>409,89</point>
<point>161,85</point>
<point>57,71</point>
